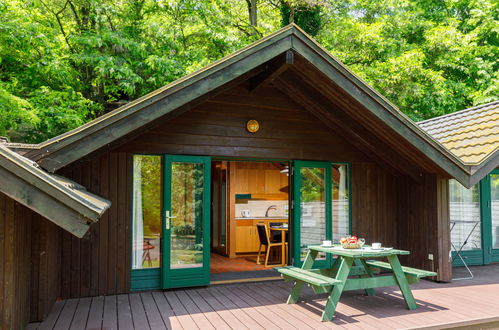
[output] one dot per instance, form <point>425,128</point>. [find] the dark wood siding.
<point>99,263</point>
<point>374,203</point>
<point>15,237</point>
<point>423,224</point>
<point>217,128</point>
<point>29,265</point>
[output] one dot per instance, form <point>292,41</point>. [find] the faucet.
<point>271,207</point>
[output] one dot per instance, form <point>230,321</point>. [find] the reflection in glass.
<point>187,215</point>
<point>146,220</point>
<point>341,212</point>
<point>494,196</point>
<point>464,215</point>
<point>313,208</point>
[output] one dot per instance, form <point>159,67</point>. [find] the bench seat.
<point>307,276</point>
<point>419,273</point>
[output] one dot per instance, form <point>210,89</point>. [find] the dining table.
<point>352,269</point>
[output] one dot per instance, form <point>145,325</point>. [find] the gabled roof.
<point>58,199</point>
<point>192,89</point>
<point>470,134</point>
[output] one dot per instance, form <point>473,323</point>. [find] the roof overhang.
<point>103,131</point>
<point>65,203</point>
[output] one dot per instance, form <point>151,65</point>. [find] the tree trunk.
<point>252,11</point>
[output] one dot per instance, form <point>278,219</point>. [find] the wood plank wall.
<point>99,263</point>
<point>423,226</point>
<point>45,286</point>
<point>374,203</point>
<point>15,237</point>
<point>29,265</point>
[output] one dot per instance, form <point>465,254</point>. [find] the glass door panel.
<point>186,232</point>
<point>312,209</point>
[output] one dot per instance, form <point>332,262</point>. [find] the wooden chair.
<point>263,235</point>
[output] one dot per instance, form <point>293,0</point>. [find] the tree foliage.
<point>65,62</point>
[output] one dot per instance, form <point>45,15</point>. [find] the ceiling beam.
<point>273,69</point>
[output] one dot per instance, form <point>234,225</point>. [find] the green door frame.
<point>195,276</point>
<point>296,225</point>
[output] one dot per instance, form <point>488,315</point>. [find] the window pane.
<point>313,208</point>
<point>187,210</point>
<point>465,216</point>
<point>341,204</point>
<point>146,211</point>
<point>494,195</point>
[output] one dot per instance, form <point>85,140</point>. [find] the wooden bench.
<point>418,273</point>
<point>307,276</point>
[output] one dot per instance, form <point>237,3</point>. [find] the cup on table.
<point>376,245</point>
<point>327,243</point>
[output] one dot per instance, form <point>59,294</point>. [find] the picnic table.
<point>352,270</point>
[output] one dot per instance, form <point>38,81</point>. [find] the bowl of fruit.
<point>351,242</point>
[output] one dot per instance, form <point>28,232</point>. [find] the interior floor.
<point>221,264</point>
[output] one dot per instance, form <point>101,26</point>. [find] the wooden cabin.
<point>278,132</point>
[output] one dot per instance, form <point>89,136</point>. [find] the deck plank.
<point>165,310</point>
<point>51,319</point>
<point>229,317</point>
<point>125,320</point>
<point>66,316</point>
<point>182,315</point>
<point>193,310</point>
<point>110,313</point>
<point>153,316</point>
<point>215,319</point>
<point>94,320</point>
<point>258,317</point>
<point>265,310</point>
<point>81,314</point>
<point>138,313</point>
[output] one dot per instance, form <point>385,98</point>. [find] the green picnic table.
<point>352,270</point>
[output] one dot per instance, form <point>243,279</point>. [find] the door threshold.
<point>247,280</point>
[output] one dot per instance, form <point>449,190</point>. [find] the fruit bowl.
<point>351,245</point>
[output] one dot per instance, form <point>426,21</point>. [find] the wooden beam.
<point>272,70</point>
<point>43,204</point>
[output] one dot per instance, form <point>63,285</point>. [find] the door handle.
<point>168,218</point>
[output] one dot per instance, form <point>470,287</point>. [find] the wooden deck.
<point>262,305</point>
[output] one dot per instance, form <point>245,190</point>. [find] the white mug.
<point>327,243</point>
<point>376,245</point>
<point>245,213</point>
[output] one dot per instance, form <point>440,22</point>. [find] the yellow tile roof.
<point>471,134</point>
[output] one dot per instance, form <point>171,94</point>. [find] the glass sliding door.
<point>466,224</point>
<point>186,221</point>
<point>146,221</point>
<point>312,208</point>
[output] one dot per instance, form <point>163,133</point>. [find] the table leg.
<point>298,286</point>
<point>362,262</point>
<point>402,282</point>
<point>337,289</point>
